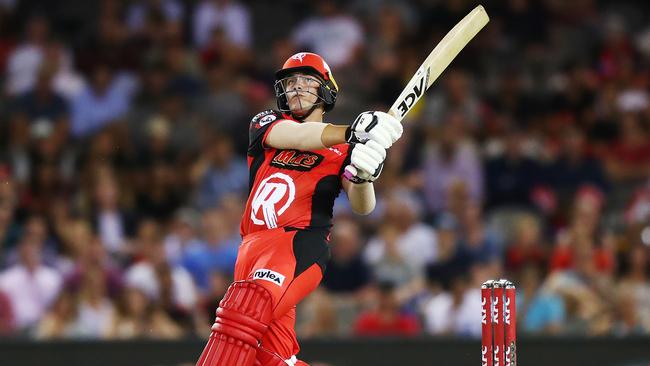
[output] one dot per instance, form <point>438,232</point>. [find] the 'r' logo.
<point>299,56</point>
<point>273,196</point>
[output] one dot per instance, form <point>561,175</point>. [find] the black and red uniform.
<point>285,230</point>
<point>286,223</point>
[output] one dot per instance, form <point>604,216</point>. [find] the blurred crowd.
<point>123,132</point>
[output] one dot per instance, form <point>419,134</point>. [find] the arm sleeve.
<point>259,128</point>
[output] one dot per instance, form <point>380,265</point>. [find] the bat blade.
<point>438,60</point>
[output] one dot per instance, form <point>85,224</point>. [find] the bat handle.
<point>351,171</point>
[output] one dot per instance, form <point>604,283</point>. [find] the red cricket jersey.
<point>290,188</point>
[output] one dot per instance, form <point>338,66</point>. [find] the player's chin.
<point>298,110</point>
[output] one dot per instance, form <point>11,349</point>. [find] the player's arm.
<point>361,196</point>
<point>378,126</point>
<point>305,136</point>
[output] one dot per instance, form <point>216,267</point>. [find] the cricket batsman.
<point>296,165</point>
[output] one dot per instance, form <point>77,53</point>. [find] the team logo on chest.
<point>296,160</point>
<point>272,198</point>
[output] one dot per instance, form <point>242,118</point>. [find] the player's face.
<point>302,92</point>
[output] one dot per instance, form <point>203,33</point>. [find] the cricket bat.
<point>437,61</point>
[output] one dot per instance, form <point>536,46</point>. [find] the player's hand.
<point>367,162</point>
<point>376,126</point>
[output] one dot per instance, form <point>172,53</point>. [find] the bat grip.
<point>351,171</point>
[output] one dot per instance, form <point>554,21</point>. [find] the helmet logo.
<point>299,56</point>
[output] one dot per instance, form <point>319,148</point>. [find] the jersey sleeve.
<point>260,126</point>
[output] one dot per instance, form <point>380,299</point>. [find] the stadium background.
<point>123,129</point>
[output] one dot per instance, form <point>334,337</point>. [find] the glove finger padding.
<point>374,149</point>
<point>365,162</point>
<point>396,128</point>
<point>367,158</point>
<point>391,125</point>
<point>381,136</point>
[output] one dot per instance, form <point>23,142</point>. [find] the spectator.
<point>8,187</point>
<point>451,159</point>
<point>581,289</point>
<point>169,115</point>
<point>581,237</point>
<point>156,147</point>
<point>162,195</point>
<point>542,310</point>
<point>635,282</point>
<point>78,237</point>
<point>182,66</point>
<point>386,319</point>
<point>222,106</point>
<point>346,272</point>
<point>25,60</point>
<point>61,320</point>
<point>94,256</point>
<point>383,46</point>
<point>7,39</point>
<point>217,252</point>
<point>629,157</point>
<point>574,169</point>
<point>137,317</point>
<point>132,309</point>
<point>144,274</point>
<point>35,230</point>
<point>481,243</point>
<point>323,317</point>
<point>108,42</point>
<point>404,236</point>
<point>510,176</point>
<point>183,234</point>
<point>457,98</point>
<point>30,285</point>
<point>106,154</point>
<point>112,223</point>
<point>626,316</point>
<point>637,210</point>
<point>218,285</point>
<point>139,11</point>
<point>6,315</point>
<point>232,17</point>
<point>66,80</point>
<point>392,265</point>
<point>41,105</point>
<point>333,35</point>
<point>104,101</point>
<point>168,301</point>
<point>9,231</point>
<point>453,257</point>
<point>436,298</point>
<point>526,248</point>
<point>95,312</point>
<point>218,173</point>
<point>452,313</point>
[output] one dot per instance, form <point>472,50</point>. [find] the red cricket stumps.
<point>486,323</point>
<point>510,318</point>
<point>497,321</point>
